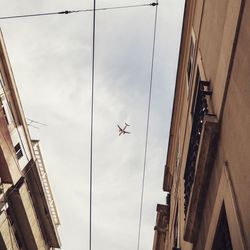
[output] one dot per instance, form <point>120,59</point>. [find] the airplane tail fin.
<point>127,124</point>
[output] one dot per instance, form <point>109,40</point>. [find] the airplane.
<point>122,131</point>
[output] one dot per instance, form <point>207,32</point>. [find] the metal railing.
<point>45,184</point>
<point>200,109</point>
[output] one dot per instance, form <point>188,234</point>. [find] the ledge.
<point>168,180</point>
<point>204,165</point>
<point>8,168</point>
<point>40,204</point>
<point>18,204</point>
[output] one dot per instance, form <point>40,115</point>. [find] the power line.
<point>147,128</point>
<point>33,121</point>
<point>92,123</point>
<point>29,124</point>
<point>76,11</point>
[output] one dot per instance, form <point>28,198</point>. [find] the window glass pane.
<point>222,239</point>
<point>18,150</point>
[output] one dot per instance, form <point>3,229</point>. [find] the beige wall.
<point>218,28</point>
<point>235,135</point>
<point>9,167</point>
<point>234,142</point>
<point>31,215</point>
<point>9,241</point>
<point>222,53</point>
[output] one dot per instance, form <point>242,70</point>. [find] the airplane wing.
<point>126,132</point>
<point>119,127</point>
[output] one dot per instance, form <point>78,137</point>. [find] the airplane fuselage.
<point>122,131</point>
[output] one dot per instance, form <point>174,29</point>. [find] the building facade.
<point>207,170</point>
<point>28,216</point>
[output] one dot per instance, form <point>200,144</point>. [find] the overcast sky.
<point>51,61</point>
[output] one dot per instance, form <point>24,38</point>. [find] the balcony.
<point>161,226</point>
<point>199,162</point>
<point>9,168</point>
<point>41,205</point>
<point>7,235</point>
<point>168,180</point>
<point>22,217</point>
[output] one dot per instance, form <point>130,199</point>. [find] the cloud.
<point>51,60</point>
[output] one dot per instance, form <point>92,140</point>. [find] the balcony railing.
<point>200,109</point>
<point>45,183</point>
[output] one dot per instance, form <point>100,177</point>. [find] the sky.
<point>51,62</point>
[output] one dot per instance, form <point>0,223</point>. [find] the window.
<point>190,59</point>
<point>222,238</point>
<point>6,109</point>
<point>199,110</point>
<point>197,82</point>
<point>1,82</point>
<point>2,98</point>
<point>19,152</point>
<point>5,115</point>
<point>176,229</point>
<point>178,155</point>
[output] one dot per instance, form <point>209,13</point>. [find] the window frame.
<point>18,150</point>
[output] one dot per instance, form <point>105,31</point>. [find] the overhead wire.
<point>92,124</point>
<point>33,121</point>
<point>147,127</point>
<point>75,11</point>
<point>92,100</point>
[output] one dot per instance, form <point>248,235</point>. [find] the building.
<point>28,216</point>
<point>161,227</point>
<point>207,170</point>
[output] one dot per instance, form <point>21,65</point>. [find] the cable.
<point>33,121</point>
<point>148,116</point>
<point>92,123</point>
<point>75,11</point>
